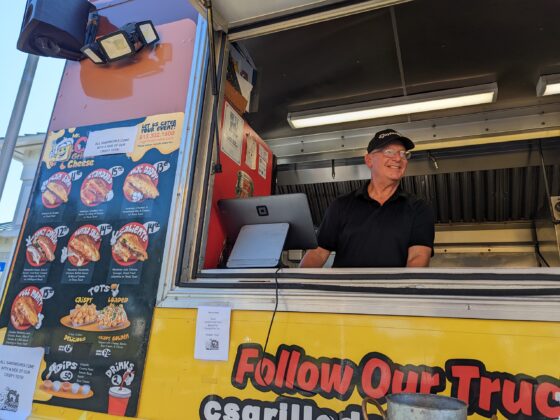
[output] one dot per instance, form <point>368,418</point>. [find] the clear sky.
<point>41,100</point>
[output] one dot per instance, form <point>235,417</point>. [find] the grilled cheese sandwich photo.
<point>40,250</point>
<point>94,191</point>
<point>129,247</point>
<point>141,186</point>
<point>97,188</point>
<point>56,190</point>
<point>24,313</point>
<point>82,249</point>
<point>141,183</point>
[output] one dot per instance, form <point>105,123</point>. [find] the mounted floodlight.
<point>116,45</point>
<point>404,105</point>
<point>548,85</point>
<point>147,32</point>
<point>125,42</point>
<point>93,52</point>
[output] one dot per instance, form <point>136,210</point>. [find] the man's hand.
<point>315,258</point>
<point>419,256</point>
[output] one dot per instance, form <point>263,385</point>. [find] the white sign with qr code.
<point>19,368</point>
<point>212,333</point>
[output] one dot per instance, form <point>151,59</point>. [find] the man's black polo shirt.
<point>365,234</point>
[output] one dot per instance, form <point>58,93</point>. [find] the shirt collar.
<point>363,193</point>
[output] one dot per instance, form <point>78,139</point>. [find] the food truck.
<point>121,268</point>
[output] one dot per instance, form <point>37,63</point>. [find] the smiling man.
<point>378,225</point>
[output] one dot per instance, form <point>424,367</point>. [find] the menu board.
<point>84,279</point>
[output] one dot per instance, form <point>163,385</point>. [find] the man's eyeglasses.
<point>391,153</point>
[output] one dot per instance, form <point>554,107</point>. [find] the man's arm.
<point>419,256</point>
<point>315,258</point>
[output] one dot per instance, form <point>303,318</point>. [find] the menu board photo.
<point>85,274</point>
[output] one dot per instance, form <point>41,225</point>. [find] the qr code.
<point>9,400</point>
<point>233,122</point>
<point>212,345</point>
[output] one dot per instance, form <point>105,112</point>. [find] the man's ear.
<point>367,160</point>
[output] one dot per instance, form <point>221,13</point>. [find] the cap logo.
<point>391,133</point>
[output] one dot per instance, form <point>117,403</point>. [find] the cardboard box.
<point>235,98</point>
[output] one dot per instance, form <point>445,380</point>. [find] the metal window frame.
<point>190,146</point>
<point>255,289</point>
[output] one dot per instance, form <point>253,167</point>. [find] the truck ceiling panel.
<point>443,45</point>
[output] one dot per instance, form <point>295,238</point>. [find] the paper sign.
<point>263,161</point>
<point>111,141</point>
<point>212,333</point>
<point>246,89</point>
<point>251,153</point>
<point>232,134</point>
<point>19,367</point>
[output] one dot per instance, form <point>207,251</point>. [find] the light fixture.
<point>117,45</point>
<point>147,32</point>
<point>548,85</point>
<point>433,101</point>
<point>125,42</point>
<point>93,52</point>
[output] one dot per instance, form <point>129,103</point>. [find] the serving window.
<point>489,171</point>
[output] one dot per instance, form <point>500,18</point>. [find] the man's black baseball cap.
<point>384,137</point>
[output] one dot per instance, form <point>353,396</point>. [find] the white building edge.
<point>27,151</point>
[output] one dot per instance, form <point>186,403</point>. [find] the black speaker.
<point>54,28</point>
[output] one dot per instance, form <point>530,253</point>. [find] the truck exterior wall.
<point>383,351</point>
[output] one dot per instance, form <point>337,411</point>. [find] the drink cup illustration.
<point>118,400</point>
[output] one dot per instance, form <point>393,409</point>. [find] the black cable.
<point>302,391</point>
<point>273,316</point>
<point>434,160</point>
<point>540,258</point>
<point>547,188</point>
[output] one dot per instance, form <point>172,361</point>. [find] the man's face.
<point>386,163</point>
